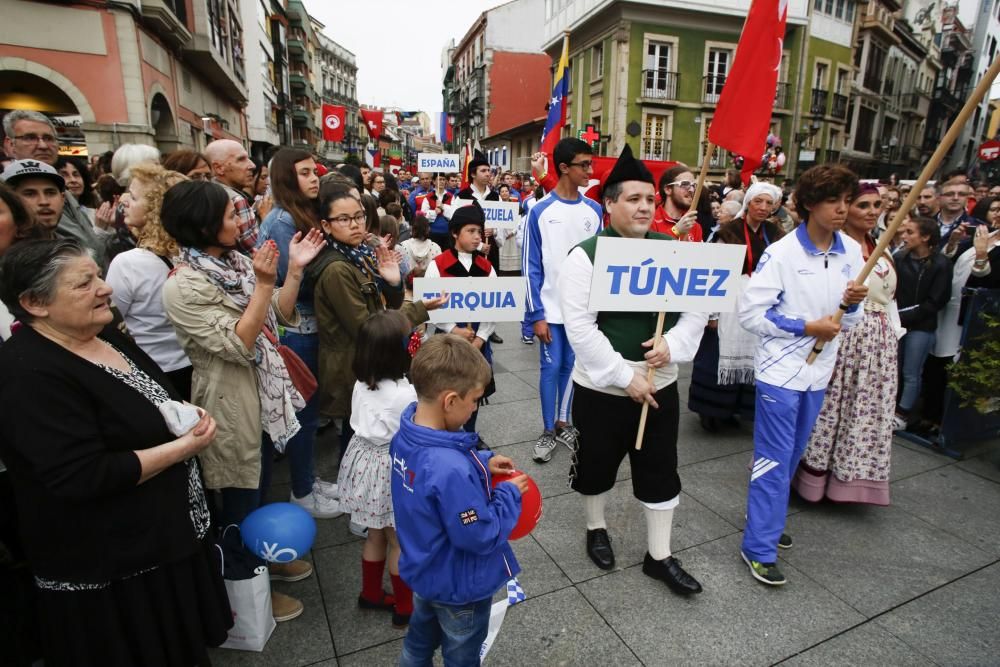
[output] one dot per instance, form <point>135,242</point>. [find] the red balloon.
<point>531,505</point>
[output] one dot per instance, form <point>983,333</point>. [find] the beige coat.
<point>225,380</point>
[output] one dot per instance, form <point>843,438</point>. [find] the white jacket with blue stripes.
<point>795,282</point>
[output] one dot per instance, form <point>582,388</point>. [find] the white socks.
<point>593,509</point>
<point>658,525</point>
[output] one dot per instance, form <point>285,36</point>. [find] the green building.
<point>650,73</point>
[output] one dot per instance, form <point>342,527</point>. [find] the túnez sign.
<point>474,299</point>
<point>447,162</point>
<point>643,275</point>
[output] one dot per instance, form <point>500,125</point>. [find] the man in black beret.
<point>614,351</point>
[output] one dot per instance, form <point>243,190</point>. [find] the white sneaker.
<point>328,489</point>
<point>318,505</point>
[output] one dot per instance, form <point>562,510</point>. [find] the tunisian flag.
<point>743,116</point>
<point>373,121</point>
<point>333,122</point>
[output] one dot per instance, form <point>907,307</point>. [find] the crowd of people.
<point>162,317</point>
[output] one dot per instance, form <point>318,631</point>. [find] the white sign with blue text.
<point>640,275</point>
<point>474,299</point>
<point>438,162</point>
<point>503,215</point>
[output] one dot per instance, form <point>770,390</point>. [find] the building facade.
<point>498,82</point>
<point>337,83</point>
<point>986,33</point>
<point>650,73</point>
<point>268,121</point>
<point>163,73</point>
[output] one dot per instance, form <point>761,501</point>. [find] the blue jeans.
<point>784,421</point>
<point>300,449</point>
<point>555,386</point>
<point>913,350</point>
<point>458,629</point>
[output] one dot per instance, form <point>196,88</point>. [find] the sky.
<point>398,44</point>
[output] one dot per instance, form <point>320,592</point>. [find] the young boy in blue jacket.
<point>452,527</point>
<point>800,280</point>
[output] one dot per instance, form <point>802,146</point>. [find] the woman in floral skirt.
<point>847,458</point>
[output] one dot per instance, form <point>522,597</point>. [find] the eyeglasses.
<point>36,138</point>
<point>687,185</point>
<point>358,219</point>
<point>582,164</point>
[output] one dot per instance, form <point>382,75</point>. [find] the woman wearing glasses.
<point>351,280</point>
<point>677,216</point>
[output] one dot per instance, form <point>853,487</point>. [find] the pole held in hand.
<point>651,373</point>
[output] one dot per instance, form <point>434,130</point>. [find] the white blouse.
<point>375,412</point>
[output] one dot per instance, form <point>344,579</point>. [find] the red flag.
<point>373,121</point>
<point>743,116</point>
<point>333,122</point>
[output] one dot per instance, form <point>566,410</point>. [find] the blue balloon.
<point>279,532</point>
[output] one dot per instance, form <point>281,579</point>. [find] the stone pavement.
<point>916,583</point>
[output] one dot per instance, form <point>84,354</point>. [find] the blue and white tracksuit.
<point>554,226</point>
<point>794,283</point>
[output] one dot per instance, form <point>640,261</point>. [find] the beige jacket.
<point>225,381</point>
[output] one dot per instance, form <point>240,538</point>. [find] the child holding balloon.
<point>382,391</point>
<point>453,529</point>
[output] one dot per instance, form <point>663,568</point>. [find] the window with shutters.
<point>655,137</point>
<point>715,76</point>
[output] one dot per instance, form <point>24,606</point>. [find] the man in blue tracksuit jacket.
<point>800,280</point>
<point>452,527</point>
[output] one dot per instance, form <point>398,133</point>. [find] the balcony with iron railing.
<point>915,103</point>
<point>947,98</point>
<point>838,109</point>
<point>659,84</point>
<point>719,159</point>
<point>782,96</point>
<point>817,104</point>
<point>655,149</point>
<point>712,88</point>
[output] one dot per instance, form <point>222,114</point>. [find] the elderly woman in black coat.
<point>110,503</point>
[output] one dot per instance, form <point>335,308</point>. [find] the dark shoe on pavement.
<point>785,541</point>
<point>387,603</point>
<point>496,339</point>
<point>528,340</point>
<point>765,573</point>
<point>670,572</point>
<point>599,549</point>
<point>400,621</point>
<point>710,424</point>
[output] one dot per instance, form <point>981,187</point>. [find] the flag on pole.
<point>372,157</point>
<point>466,160</point>
<point>742,118</point>
<point>556,119</point>
<point>333,122</point>
<point>373,121</point>
<point>444,129</point>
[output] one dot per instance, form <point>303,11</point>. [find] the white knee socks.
<point>658,525</point>
<point>593,509</point>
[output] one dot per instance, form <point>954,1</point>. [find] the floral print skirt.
<point>847,458</point>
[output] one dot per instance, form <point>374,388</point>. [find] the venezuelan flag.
<point>557,104</point>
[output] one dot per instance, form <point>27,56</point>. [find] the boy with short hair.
<point>452,527</point>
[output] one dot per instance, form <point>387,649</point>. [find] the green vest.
<point>625,330</point>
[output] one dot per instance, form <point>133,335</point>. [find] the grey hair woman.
<point>111,506</point>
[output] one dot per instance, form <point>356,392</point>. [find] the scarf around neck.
<point>279,399</point>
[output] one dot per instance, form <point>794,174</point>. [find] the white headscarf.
<point>761,188</point>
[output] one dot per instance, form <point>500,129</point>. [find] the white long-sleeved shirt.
<point>598,365</point>
<point>794,283</point>
<point>375,413</point>
<point>486,329</point>
<point>553,228</point>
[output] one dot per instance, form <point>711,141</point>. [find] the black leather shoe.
<point>599,549</point>
<point>669,571</point>
<point>496,339</point>
<point>710,424</point>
